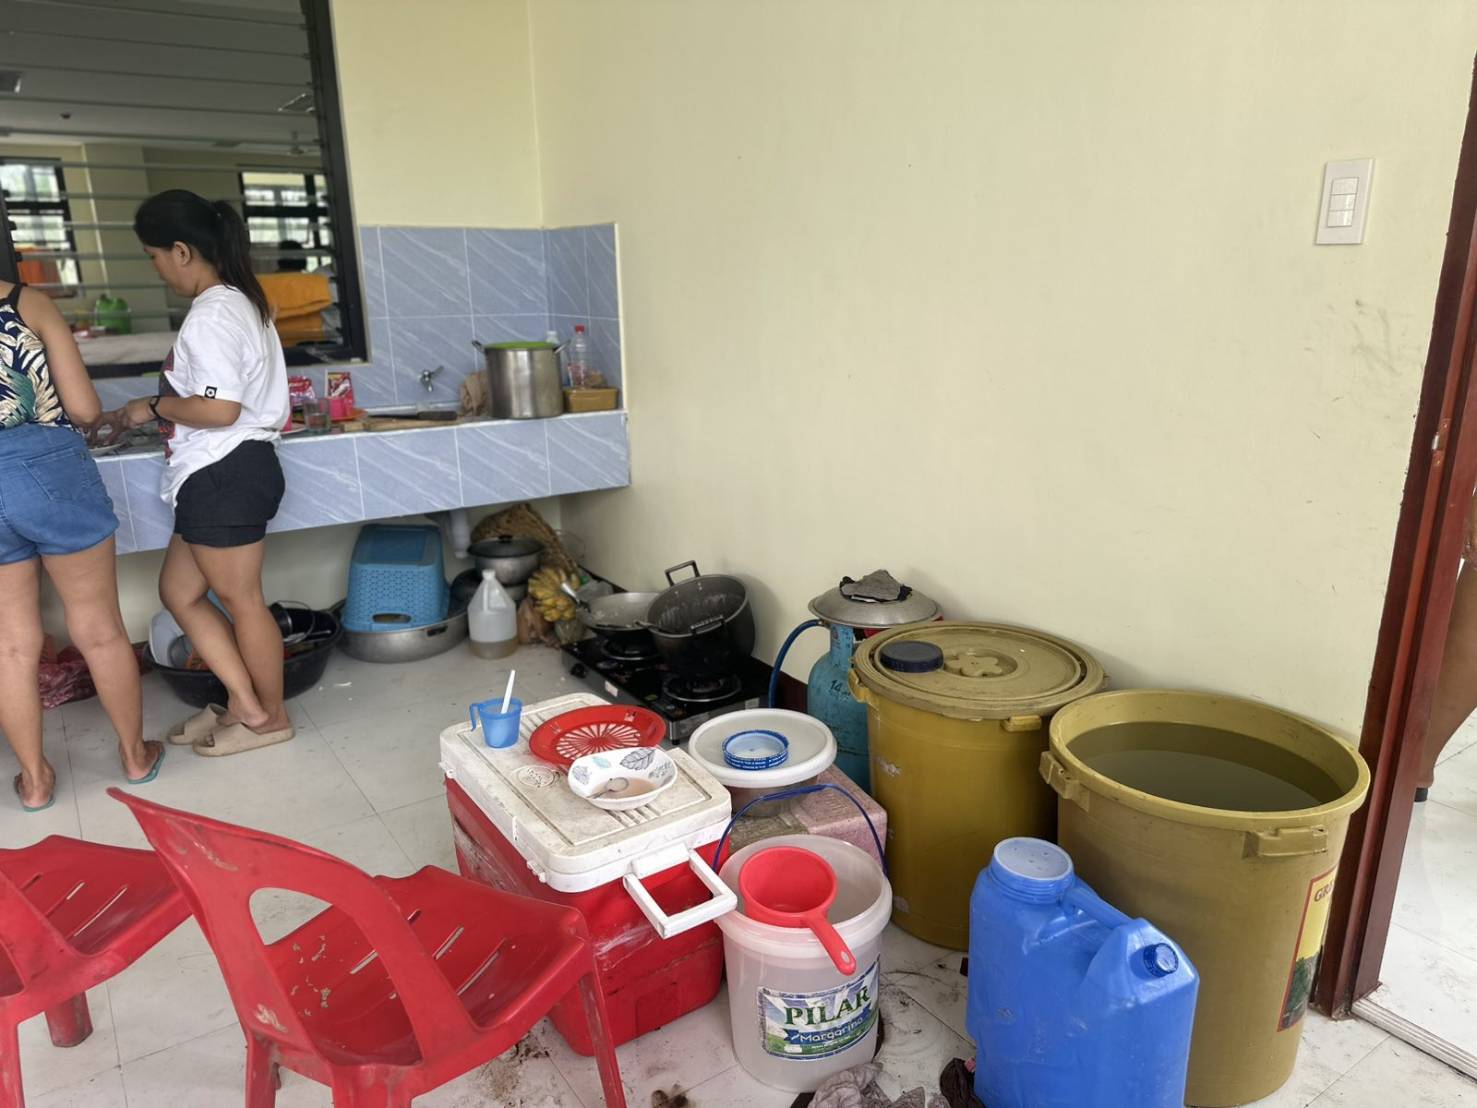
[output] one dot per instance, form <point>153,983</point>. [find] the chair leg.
<point>262,1077</point>
<point>11,1093</point>
<point>593,1001</point>
<point>69,1022</point>
<point>354,1092</point>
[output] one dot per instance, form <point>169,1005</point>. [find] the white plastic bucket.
<point>796,1019</point>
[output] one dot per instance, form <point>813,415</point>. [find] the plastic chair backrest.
<point>27,937</point>
<point>218,866</point>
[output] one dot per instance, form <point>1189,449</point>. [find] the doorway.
<point>1407,911</point>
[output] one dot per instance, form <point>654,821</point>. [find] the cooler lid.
<point>847,604</point>
<point>567,841</point>
<point>989,671</point>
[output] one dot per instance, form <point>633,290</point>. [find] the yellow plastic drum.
<point>1220,821</point>
<point>956,723</point>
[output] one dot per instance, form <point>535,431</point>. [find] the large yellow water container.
<point>956,724</point>
<point>1220,821</point>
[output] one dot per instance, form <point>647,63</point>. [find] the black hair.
<point>215,231</point>
<point>291,265</point>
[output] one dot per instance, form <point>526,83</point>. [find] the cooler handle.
<point>1062,783</point>
<point>667,926</point>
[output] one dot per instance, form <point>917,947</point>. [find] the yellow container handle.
<point>1018,724</point>
<point>1062,783</point>
<point>858,690</point>
<point>1287,842</point>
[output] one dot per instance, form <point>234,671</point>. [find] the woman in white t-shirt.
<point>223,401</point>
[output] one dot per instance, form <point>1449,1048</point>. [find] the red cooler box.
<point>648,897</point>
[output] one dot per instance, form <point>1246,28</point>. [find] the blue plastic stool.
<point>396,579</point>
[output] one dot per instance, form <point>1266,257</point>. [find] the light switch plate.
<point>1345,205</point>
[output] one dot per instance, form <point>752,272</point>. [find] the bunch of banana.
<point>554,604</point>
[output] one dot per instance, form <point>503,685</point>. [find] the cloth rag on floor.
<point>956,1085</point>
<point>857,1088</point>
<point>877,587</point>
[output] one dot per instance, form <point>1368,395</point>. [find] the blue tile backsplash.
<point>430,290</point>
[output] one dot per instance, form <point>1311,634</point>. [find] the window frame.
<point>58,207</point>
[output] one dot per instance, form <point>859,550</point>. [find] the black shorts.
<point>230,502</point>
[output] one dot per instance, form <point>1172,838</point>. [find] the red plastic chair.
<point>400,986</point>
<point>72,914</point>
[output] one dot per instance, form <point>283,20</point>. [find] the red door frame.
<point>1423,573</point>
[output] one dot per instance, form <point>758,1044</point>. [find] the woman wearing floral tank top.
<point>55,513</point>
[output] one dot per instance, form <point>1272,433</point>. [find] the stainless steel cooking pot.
<point>512,560</point>
<point>703,625</point>
<point>523,379</point>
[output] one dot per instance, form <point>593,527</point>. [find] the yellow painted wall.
<point>438,106</point>
<point>1020,300</point>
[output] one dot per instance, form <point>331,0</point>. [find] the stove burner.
<point>708,689</point>
<point>629,651</point>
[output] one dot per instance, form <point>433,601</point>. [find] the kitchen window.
<point>289,207</point>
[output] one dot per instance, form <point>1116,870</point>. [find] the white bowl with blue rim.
<point>810,749</point>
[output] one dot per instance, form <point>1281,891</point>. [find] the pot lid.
<point>505,546</point>
<point>865,604</point>
<point>989,671</point>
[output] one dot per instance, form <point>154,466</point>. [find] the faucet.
<point>428,377</point>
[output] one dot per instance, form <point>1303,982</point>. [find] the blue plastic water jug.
<point>1071,1003</point>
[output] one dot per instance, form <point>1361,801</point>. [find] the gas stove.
<point>684,704</point>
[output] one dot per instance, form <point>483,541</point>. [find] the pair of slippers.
<point>208,737</point>
<point>144,780</point>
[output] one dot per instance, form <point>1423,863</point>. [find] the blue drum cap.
<point>912,656</point>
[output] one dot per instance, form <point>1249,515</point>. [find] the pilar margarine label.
<point>820,1024</point>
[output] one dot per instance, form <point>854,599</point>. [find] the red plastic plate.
<point>591,730</point>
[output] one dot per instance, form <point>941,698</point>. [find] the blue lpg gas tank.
<point>1071,1003</point>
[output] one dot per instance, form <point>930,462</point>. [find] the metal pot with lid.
<point>852,610</point>
<point>956,722</point>
<point>703,625</point>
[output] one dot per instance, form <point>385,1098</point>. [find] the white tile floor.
<point>1429,975</point>
<point>361,781</point>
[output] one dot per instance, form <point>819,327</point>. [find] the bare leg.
<point>1456,688</point>
<point>20,662</point>
<point>182,587</point>
<point>235,573</point>
<point>88,585</point>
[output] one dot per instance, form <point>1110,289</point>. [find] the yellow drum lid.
<point>989,671</point>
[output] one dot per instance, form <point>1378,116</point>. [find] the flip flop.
<point>237,738</point>
<point>153,773</point>
<point>197,726</point>
<point>39,807</point>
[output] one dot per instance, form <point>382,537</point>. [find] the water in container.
<point>1072,1004</point>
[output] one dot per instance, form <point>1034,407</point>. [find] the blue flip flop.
<point>153,773</point>
<point>39,807</point>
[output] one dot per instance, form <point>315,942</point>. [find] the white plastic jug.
<point>492,619</point>
<point>796,1019</point>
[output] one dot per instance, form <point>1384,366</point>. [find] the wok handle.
<point>692,565</point>
<point>723,901</point>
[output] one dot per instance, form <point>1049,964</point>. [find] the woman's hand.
<point>137,412</point>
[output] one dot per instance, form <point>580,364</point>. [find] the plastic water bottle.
<point>578,362</point>
<point>492,619</point>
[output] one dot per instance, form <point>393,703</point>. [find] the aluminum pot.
<point>523,379</point>
<point>512,560</point>
<point>703,625</point>
<point>412,644</point>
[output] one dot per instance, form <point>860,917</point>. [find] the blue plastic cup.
<point>499,728</point>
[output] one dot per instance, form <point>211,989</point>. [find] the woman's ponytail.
<point>215,231</point>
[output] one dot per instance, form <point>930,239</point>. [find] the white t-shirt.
<point>223,351</point>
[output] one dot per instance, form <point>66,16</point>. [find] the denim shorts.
<point>52,499</point>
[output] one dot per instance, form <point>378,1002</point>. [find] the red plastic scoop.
<point>788,886</point>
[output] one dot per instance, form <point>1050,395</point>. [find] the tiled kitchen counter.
<point>346,478</point>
